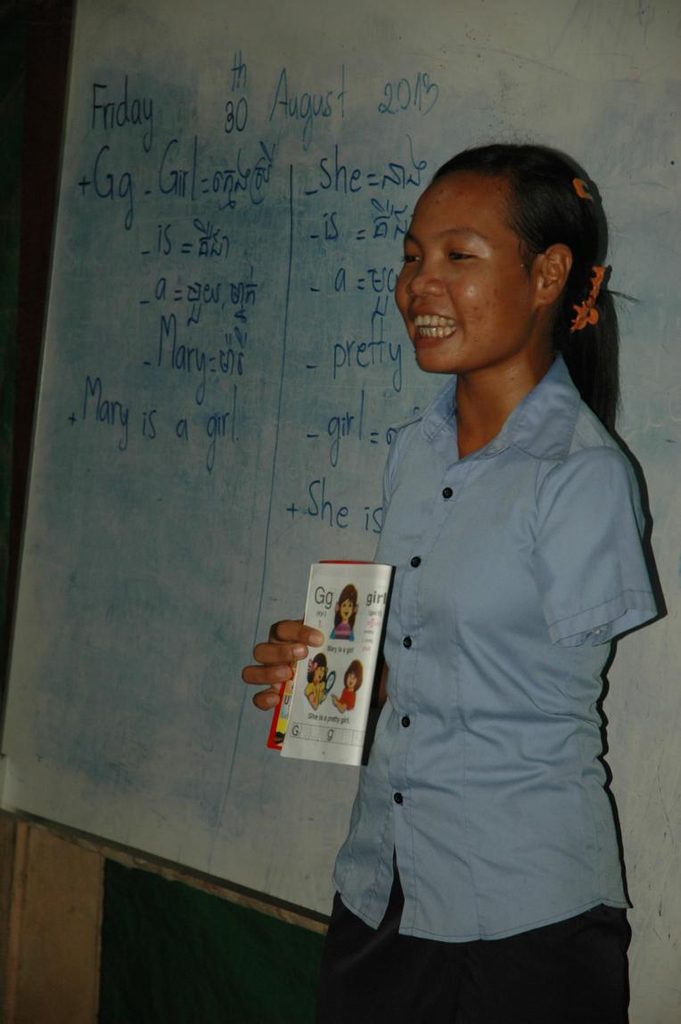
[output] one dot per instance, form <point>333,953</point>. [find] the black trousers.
<point>573,972</point>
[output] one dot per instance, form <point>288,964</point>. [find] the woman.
<point>480,881</point>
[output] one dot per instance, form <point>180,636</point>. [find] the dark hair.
<point>319,661</point>
<point>357,670</point>
<point>348,593</point>
<point>546,209</point>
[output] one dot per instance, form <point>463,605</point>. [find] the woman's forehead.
<point>464,201</point>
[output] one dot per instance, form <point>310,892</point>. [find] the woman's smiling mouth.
<point>430,325</point>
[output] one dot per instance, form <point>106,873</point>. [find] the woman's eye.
<point>456,255</point>
<point>409,257</point>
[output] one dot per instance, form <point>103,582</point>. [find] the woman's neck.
<point>484,401</point>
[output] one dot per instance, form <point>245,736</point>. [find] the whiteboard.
<point>223,371</point>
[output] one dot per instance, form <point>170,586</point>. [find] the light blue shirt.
<point>514,566</point>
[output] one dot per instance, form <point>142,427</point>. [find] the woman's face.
<point>346,608</point>
<point>469,303</point>
<point>319,674</point>
<point>351,681</point>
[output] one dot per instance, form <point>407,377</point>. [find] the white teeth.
<point>429,325</point>
<point>435,332</point>
<point>431,320</point>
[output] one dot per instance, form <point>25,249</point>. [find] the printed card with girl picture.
<point>323,711</point>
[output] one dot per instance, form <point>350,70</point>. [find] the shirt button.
<point>406,642</point>
<point>398,798</point>
<point>447,492</point>
<point>415,562</point>
<point>406,721</point>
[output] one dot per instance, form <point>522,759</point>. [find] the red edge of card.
<point>271,739</point>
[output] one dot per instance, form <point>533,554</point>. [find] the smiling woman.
<point>480,880</point>
<point>551,201</point>
<point>470,302</point>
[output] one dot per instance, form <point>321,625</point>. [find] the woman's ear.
<point>552,269</point>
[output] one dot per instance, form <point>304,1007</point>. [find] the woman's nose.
<point>425,282</point>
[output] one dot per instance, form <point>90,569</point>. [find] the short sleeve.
<point>589,559</point>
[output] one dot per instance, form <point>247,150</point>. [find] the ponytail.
<point>592,357</point>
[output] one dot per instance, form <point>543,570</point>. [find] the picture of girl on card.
<point>352,680</point>
<point>318,685</point>
<point>346,613</point>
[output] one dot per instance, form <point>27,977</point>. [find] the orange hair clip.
<point>586,312</point>
<point>582,189</point>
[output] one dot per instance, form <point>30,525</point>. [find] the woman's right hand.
<point>288,643</point>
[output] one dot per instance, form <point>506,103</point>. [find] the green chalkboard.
<point>174,955</point>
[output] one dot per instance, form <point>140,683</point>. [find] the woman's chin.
<point>432,356</point>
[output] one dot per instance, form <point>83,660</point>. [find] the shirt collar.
<point>541,425</point>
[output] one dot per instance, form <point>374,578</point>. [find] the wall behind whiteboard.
<point>223,370</point>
